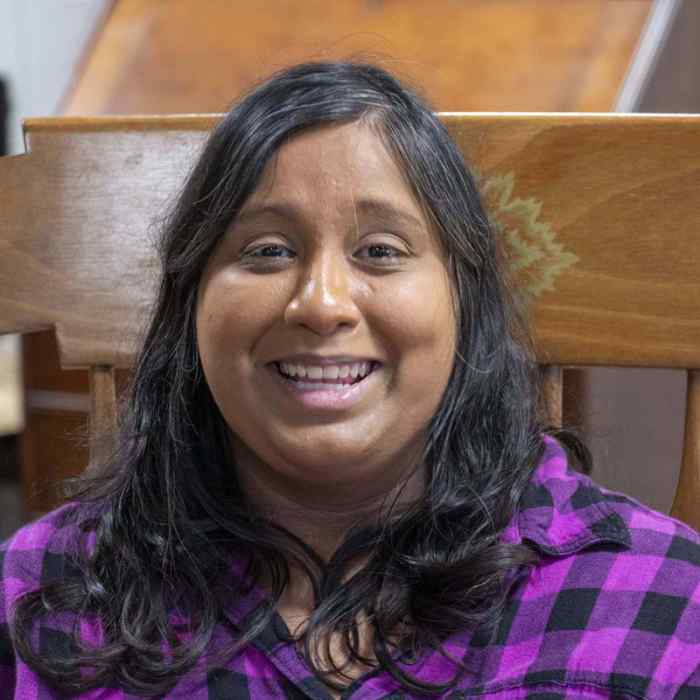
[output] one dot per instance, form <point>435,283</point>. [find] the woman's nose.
<point>322,300</point>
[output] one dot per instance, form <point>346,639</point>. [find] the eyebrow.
<point>380,208</point>
<point>284,211</point>
<point>387,211</point>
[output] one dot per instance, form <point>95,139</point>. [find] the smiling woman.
<point>331,474</point>
<point>355,258</point>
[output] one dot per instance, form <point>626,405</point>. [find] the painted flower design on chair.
<point>536,257</point>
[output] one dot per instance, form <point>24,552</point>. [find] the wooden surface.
<point>686,504</point>
<point>175,56</point>
<point>51,432</point>
<point>103,412</point>
<point>599,212</point>
<point>82,232</point>
<point>552,392</point>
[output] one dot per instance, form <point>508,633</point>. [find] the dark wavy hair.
<point>165,512</point>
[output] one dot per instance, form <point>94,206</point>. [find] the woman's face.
<point>331,260</point>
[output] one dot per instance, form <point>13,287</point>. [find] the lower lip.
<point>342,397</point>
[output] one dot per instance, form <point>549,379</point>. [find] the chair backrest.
<point>599,214</point>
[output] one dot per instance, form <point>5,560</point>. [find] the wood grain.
<point>552,388</point>
<point>103,411</point>
<point>80,248</point>
<point>171,56</point>
<point>51,432</point>
<point>686,504</point>
<point>617,192</point>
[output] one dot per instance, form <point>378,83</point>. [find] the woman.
<point>331,474</point>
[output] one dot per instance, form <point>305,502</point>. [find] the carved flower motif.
<point>530,245</point>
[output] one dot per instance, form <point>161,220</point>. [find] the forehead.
<point>344,162</point>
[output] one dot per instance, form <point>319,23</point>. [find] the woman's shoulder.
<point>36,552</point>
<point>563,510</point>
<point>614,599</point>
<point>608,540</point>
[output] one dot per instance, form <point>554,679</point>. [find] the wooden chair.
<point>600,215</point>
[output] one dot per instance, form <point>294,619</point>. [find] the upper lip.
<point>321,360</point>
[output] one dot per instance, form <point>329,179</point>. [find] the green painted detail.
<point>531,246</point>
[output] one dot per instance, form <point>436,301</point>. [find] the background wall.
<point>41,42</point>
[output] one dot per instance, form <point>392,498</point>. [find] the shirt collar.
<point>563,511</point>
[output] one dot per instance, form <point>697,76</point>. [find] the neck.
<point>323,527</point>
<point>322,514</point>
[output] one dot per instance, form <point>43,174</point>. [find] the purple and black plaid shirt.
<point>612,610</point>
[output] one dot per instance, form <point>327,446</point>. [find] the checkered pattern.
<point>611,611</point>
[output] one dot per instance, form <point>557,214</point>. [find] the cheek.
<point>231,316</point>
<point>421,315</point>
<point>420,321</point>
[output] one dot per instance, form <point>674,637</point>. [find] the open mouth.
<point>326,382</point>
<point>327,394</point>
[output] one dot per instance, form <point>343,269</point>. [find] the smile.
<point>326,393</point>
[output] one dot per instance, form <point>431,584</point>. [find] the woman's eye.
<point>271,250</point>
<point>381,251</point>
<point>374,252</point>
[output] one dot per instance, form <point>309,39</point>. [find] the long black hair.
<point>165,513</point>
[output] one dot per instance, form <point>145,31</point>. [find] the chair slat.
<point>686,504</point>
<point>103,410</point>
<point>552,389</point>
<point>577,196</point>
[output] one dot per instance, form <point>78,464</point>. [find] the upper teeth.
<point>356,369</point>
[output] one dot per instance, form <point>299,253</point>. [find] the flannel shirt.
<point>611,610</point>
